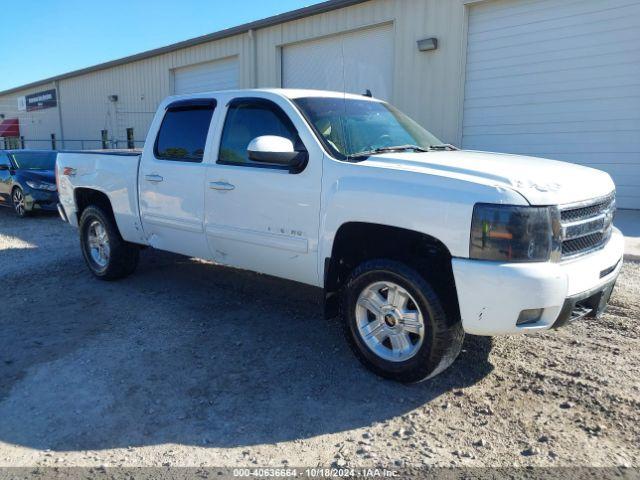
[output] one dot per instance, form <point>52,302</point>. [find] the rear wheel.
<point>396,324</point>
<point>107,254</point>
<point>19,203</point>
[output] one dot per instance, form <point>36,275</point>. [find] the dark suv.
<point>27,180</point>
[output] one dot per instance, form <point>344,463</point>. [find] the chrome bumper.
<point>62,213</point>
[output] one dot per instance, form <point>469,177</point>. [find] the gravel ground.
<point>186,363</point>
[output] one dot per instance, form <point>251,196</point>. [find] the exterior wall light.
<point>113,98</point>
<point>428,44</point>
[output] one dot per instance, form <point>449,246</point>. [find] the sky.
<point>44,38</point>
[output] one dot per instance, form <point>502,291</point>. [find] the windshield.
<point>35,160</point>
<point>350,127</point>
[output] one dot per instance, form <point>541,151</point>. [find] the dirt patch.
<point>187,363</point>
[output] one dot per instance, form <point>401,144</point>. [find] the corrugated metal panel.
<point>558,79</point>
<point>343,62</point>
<point>87,109</point>
<point>426,85</point>
<point>140,87</point>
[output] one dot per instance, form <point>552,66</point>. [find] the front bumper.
<point>41,200</point>
<point>492,295</point>
<point>591,303</point>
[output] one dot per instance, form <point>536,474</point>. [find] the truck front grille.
<point>586,226</point>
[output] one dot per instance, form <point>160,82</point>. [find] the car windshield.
<point>352,128</point>
<point>35,160</point>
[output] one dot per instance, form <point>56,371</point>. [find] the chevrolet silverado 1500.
<point>413,241</point>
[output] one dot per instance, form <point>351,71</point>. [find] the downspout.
<point>254,54</point>
<point>56,85</point>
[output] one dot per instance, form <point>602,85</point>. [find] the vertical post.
<point>130,141</point>
<point>56,85</point>
<point>22,142</point>
<point>253,39</point>
<point>53,141</point>
<point>105,139</point>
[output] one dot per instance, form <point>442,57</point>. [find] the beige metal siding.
<point>427,85</point>
<point>343,62</point>
<point>86,109</point>
<point>140,87</point>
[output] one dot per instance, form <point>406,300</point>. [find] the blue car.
<point>27,180</point>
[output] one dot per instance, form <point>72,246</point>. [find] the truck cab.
<point>413,241</point>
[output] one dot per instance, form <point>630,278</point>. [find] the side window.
<point>4,159</point>
<point>248,119</point>
<point>183,133</point>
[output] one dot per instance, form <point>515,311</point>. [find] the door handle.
<point>153,178</point>
<point>221,186</point>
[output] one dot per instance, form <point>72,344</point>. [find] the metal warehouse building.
<point>551,78</point>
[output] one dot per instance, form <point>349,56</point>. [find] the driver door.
<point>262,217</point>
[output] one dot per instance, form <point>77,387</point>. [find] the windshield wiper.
<point>444,146</point>
<point>398,148</point>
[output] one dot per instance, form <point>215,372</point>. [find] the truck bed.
<point>114,174</point>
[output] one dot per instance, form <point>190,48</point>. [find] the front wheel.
<point>396,324</point>
<point>19,203</point>
<point>107,254</point>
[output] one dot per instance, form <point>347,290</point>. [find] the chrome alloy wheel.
<point>98,243</point>
<point>389,321</point>
<point>18,202</point>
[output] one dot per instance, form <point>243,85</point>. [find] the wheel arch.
<point>85,197</point>
<point>357,242</point>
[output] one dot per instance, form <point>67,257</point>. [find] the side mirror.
<point>277,151</point>
<point>4,167</point>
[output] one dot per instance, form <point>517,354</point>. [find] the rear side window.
<point>183,133</point>
<point>248,119</point>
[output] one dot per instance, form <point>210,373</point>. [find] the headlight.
<point>51,187</point>
<point>508,233</point>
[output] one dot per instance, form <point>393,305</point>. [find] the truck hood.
<point>540,181</point>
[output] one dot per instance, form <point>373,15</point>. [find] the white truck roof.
<point>290,93</point>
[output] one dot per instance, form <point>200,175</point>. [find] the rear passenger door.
<point>172,177</point>
<point>261,217</point>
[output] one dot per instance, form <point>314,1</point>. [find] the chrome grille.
<point>586,226</point>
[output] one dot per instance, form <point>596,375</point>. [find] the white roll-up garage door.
<point>353,62</point>
<point>558,79</point>
<point>207,77</point>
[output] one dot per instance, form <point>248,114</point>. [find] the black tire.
<point>18,202</point>
<point>123,256</point>
<point>443,337</point>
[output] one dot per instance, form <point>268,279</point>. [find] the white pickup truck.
<point>414,242</point>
